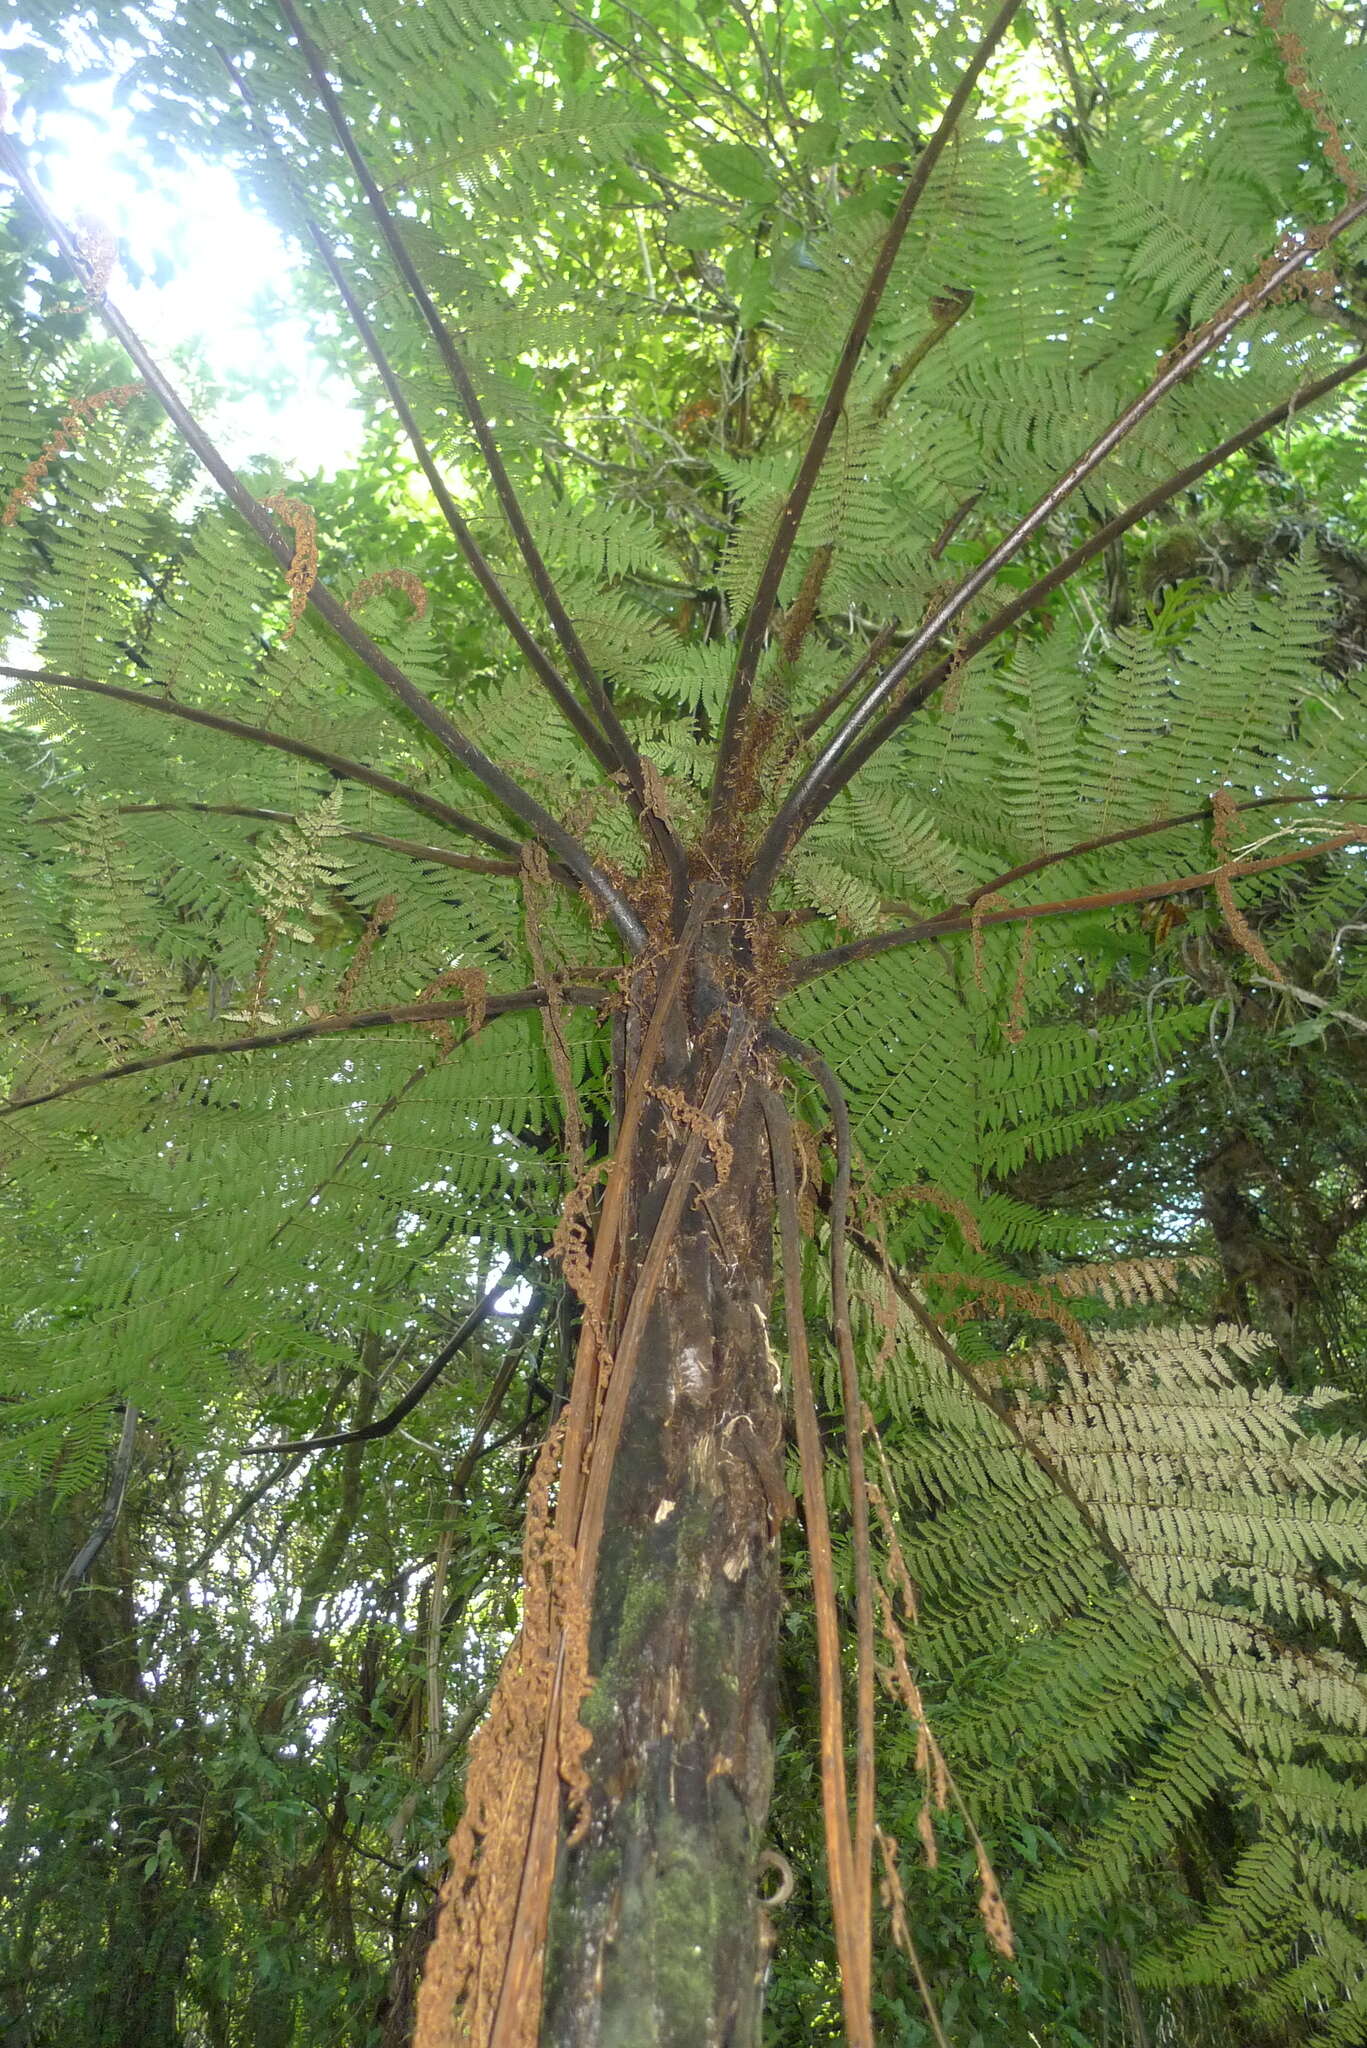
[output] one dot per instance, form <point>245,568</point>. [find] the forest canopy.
<point>682,1153</point>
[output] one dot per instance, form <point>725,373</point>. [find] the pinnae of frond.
<point>1001,621</point>
<point>863,732</point>
<point>315,1027</point>
<point>756,626</point>
<point>481,568</point>
<point>262,736</point>
<point>609,733</point>
<point>946,924</point>
<point>496,780</point>
<point>1038,1455</point>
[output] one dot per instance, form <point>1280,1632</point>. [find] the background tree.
<point>790,693</point>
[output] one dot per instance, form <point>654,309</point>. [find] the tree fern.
<point>709,709</point>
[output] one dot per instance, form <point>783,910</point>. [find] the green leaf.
<point>739,170</point>
<point>698,227</point>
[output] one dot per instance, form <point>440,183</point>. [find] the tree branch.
<point>790,518</point>
<point>316,1027</point>
<point>108,1518</point>
<point>386,1424</point>
<point>496,780</point>
<point>439,856</point>
<point>261,736</point>
<point>944,924</point>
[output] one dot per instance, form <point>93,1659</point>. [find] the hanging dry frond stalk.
<point>302,573</point>
<point>855,1416</point>
<point>1223,812</point>
<point>895,1905</point>
<point>849,1908</point>
<point>899,1683</point>
<point>977,919</point>
<point>70,431</point>
<point>1015,1025</point>
<point>376,925</point>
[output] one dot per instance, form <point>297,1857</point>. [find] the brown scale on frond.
<point>413,588</point>
<point>377,924</point>
<point>473,984</point>
<point>1293,55</point>
<point>73,425</point>
<point>96,246</point>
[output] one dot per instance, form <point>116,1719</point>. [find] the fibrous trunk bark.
<point>656,1936</point>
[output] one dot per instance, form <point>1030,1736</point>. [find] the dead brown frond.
<point>463,1976</point>
<point>72,428</point>
<point>302,573</point>
<point>1130,1283</point>
<point>571,1240</point>
<point>1029,1297</point>
<point>849,1887</point>
<point>689,1117</point>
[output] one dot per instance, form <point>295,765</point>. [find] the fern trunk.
<point>656,1935</point>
